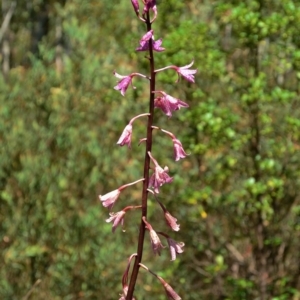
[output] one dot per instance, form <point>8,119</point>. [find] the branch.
<point>7,19</point>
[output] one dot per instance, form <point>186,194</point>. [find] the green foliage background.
<point>236,195</point>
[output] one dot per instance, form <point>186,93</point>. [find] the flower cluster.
<point>155,176</point>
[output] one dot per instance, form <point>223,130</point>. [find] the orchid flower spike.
<point>109,199</point>
<point>168,104</point>
<point>184,71</point>
<point>160,175</point>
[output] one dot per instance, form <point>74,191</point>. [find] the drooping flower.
<point>171,221</point>
<point>125,278</point>
<point>136,7</point>
<point>168,104</point>
<point>160,175</point>
<point>175,247</point>
<point>155,241</point>
<point>184,71</point>
<point>171,294</point>
<point>178,148</point>
<point>118,219</point>
<point>125,81</point>
<point>125,138</point>
<point>109,199</point>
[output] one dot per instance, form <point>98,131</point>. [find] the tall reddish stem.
<point>138,259</point>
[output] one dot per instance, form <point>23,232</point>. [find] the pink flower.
<point>175,248</point>
<point>156,46</point>
<point>125,138</point>
<point>171,294</point>
<point>186,73</point>
<point>146,37</point>
<point>159,177</point>
<point>178,150</point>
<point>126,81</point>
<point>125,278</point>
<point>150,4</point>
<point>123,83</point>
<point>109,199</point>
<point>155,241</point>
<point>168,104</point>
<point>171,221</point>
<point>118,219</point>
<point>135,4</point>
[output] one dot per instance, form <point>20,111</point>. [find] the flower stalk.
<point>154,177</point>
<point>146,174</point>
